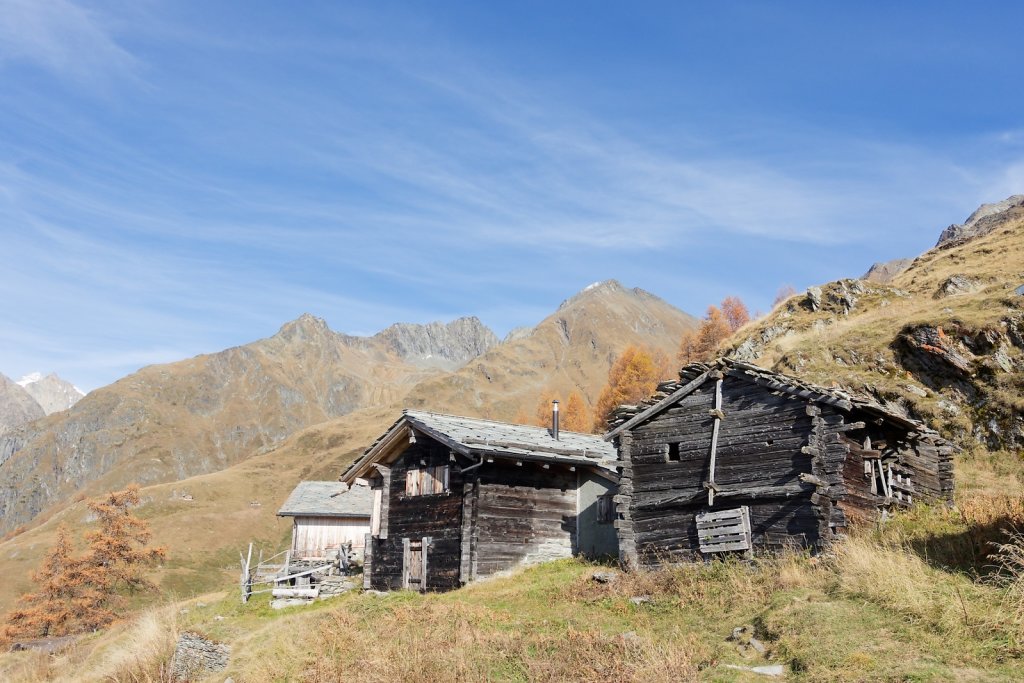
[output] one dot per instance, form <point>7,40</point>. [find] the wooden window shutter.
<point>444,479</point>
<point>412,483</point>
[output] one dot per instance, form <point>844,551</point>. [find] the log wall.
<point>797,464</point>
<point>438,516</point>
<point>524,514</point>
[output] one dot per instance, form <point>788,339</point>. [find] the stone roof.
<point>327,499</point>
<point>475,437</point>
<point>693,375</point>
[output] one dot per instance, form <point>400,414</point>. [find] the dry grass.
<point>137,651</point>
<point>434,640</point>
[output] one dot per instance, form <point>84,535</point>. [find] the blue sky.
<point>179,177</point>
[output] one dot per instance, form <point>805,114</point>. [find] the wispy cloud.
<point>368,176</point>
<point>62,37</point>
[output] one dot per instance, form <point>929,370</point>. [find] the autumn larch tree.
<point>633,377</point>
<point>701,345</point>
<point>575,417</point>
<point>735,312</point>
<point>76,594</point>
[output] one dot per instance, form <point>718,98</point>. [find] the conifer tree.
<point>575,417</point>
<point>76,594</point>
<point>735,312</point>
<point>632,378</point>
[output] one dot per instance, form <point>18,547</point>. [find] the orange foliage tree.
<point>701,345</point>
<point>575,417</point>
<point>76,594</point>
<point>735,312</point>
<point>632,378</point>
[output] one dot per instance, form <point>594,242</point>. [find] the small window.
<point>426,481</point>
<point>606,509</point>
<point>672,452</point>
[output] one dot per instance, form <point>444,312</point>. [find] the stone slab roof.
<point>693,375</point>
<point>474,437</point>
<point>327,499</point>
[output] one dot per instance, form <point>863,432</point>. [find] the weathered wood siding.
<point>805,469</point>
<point>314,536</point>
<point>438,516</point>
<point>759,457</point>
<point>524,514</point>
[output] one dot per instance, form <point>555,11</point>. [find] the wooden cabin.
<point>458,498</point>
<point>326,515</point>
<point>733,457</point>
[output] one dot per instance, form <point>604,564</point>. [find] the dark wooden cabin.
<point>458,498</point>
<point>737,458</point>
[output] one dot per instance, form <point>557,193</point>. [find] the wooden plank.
<point>714,441</point>
<point>657,407</point>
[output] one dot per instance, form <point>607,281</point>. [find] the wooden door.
<point>414,564</point>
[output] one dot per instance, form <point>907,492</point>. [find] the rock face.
<point>448,346</point>
<point>51,392</point>
<point>883,272</point>
<point>958,284</point>
<point>17,407</point>
<point>985,219</point>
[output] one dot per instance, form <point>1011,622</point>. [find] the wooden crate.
<point>724,530</point>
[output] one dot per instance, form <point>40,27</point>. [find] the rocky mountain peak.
<point>17,406</point>
<point>984,219</point>
<point>605,289</point>
<point>306,327</point>
<point>444,345</point>
<point>52,393</point>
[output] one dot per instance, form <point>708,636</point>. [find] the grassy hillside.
<point>917,600</point>
<point>944,340</point>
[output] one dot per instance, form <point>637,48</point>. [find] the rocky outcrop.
<point>985,219</point>
<point>17,407</point>
<point>958,284</point>
<point>51,392</point>
<point>196,657</point>
<point>448,346</point>
<point>883,272</point>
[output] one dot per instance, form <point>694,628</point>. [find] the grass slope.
<point>917,600</point>
<point>863,348</point>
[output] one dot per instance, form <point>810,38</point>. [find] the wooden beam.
<point>658,407</point>
<point>714,441</point>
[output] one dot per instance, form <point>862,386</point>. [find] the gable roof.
<point>327,499</point>
<point>474,437</point>
<point>694,375</point>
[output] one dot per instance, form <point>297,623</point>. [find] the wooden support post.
<point>368,562</point>
<point>405,563</point>
<point>714,441</point>
<point>246,577</point>
<point>424,546</point>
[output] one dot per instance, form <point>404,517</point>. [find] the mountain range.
<point>219,440</point>
<point>170,422</point>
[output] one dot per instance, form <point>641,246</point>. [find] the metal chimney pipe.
<point>554,419</point>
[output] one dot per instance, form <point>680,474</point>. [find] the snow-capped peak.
<point>30,378</point>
